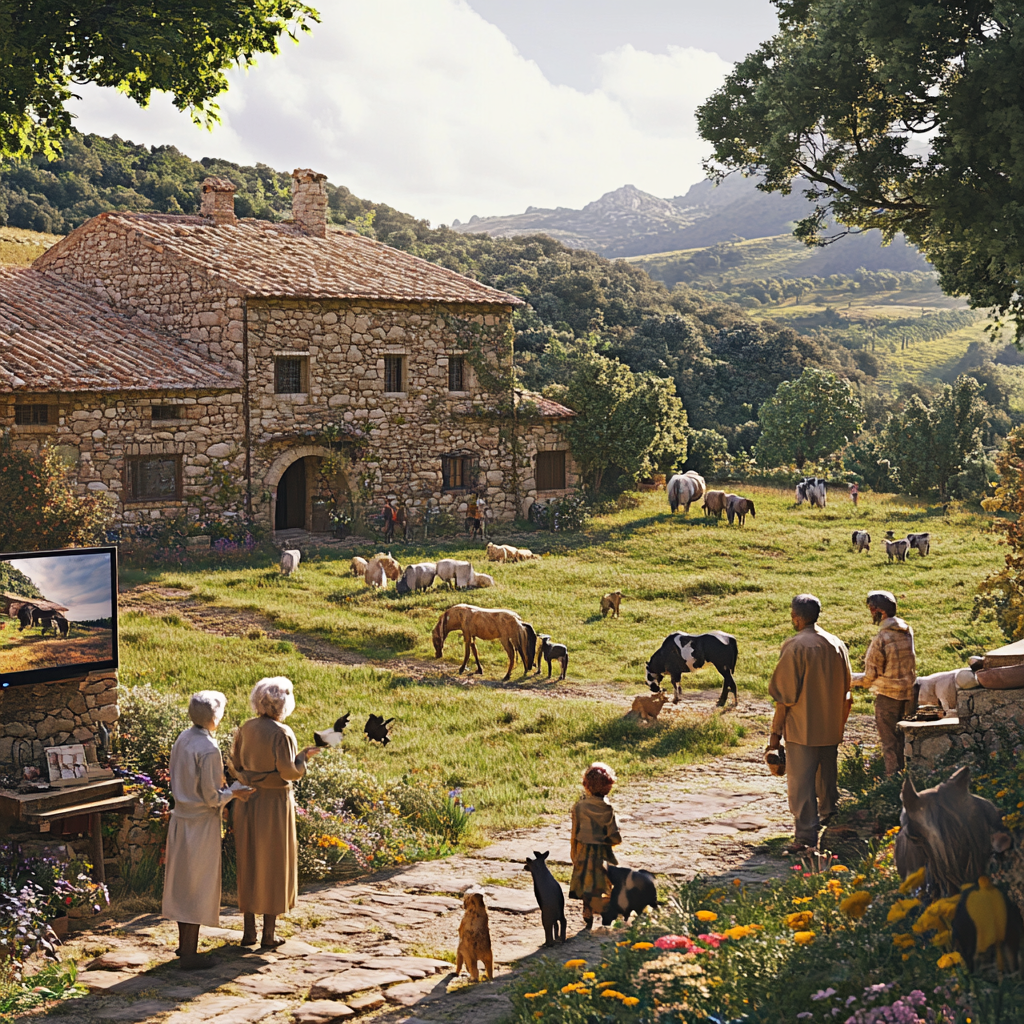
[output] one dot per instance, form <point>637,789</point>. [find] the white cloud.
<point>425,105</point>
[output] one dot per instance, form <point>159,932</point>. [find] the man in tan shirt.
<point>890,670</point>
<point>811,690</point>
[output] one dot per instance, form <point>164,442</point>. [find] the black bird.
<point>377,729</point>
<point>332,737</point>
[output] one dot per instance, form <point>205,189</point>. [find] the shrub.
<point>570,513</point>
<point>149,724</point>
<point>629,499</point>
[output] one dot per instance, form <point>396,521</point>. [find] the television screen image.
<point>58,614</point>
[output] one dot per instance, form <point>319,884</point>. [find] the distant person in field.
<point>595,831</point>
<point>890,670</point>
<point>854,493</point>
<point>388,512</point>
<point>475,517</point>
<point>811,690</point>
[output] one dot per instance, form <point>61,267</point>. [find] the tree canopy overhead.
<point>902,115</point>
<point>134,47</point>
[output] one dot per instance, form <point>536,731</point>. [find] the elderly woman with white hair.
<point>192,876</point>
<point>266,756</point>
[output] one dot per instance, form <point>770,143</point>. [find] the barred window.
<point>458,472</point>
<point>166,412</point>
<point>290,376</point>
<point>31,415</point>
<point>456,373</point>
<point>393,376</point>
<point>153,479</point>
<point>550,471</point>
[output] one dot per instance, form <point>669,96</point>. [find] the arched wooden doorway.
<point>290,512</point>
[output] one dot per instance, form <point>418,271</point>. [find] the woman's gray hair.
<point>273,697</point>
<point>207,708</point>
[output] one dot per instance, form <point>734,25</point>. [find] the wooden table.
<point>44,807</point>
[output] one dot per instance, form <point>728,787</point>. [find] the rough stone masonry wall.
<point>982,712</point>
<point>98,431</point>
<point>50,714</point>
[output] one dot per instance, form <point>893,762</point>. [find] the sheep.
<point>714,503</point>
<point>610,603</point>
<point>359,566</point>
<point>391,567</point>
<point>417,577</point>
<point>897,549</point>
<point>550,652</point>
<point>496,553</point>
<point>481,579</point>
<point>737,506</point>
<point>684,489</point>
<point>461,575</point>
<point>375,576</point>
<point>921,541</point>
<point>290,561</point>
<point>526,555</point>
<point>861,541</point>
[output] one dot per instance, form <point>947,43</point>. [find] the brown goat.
<point>610,603</point>
<point>737,506</point>
<point>514,635</point>
<point>714,503</point>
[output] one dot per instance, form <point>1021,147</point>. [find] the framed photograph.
<point>58,614</point>
<point>66,764</point>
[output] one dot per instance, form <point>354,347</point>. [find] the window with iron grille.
<point>393,376</point>
<point>166,412</point>
<point>550,471</point>
<point>31,415</point>
<point>458,472</point>
<point>153,479</point>
<point>290,375</point>
<point>456,373</point>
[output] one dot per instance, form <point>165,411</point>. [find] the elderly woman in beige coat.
<point>266,756</point>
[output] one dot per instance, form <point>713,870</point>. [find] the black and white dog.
<point>631,892</point>
<point>685,652</point>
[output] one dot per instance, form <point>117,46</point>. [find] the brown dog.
<point>610,603</point>
<point>474,938</point>
<point>647,708</point>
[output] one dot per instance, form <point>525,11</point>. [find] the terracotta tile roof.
<point>56,338</point>
<point>259,259</point>
<point>547,408</point>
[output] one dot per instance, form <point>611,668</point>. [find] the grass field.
<point>20,652</point>
<point>519,754</point>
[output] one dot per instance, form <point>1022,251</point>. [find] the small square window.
<point>290,375</point>
<point>394,377</point>
<point>458,472</point>
<point>31,415</point>
<point>153,478</point>
<point>456,373</point>
<point>550,471</point>
<point>166,412</point>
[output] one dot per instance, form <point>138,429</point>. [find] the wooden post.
<point>99,872</point>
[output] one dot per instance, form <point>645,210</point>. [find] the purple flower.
<point>823,993</point>
<point>804,1016</point>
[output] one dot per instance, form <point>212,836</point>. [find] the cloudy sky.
<point>449,108</point>
<point>80,582</point>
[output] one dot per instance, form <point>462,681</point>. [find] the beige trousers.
<point>812,787</point>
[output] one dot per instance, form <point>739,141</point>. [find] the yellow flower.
<point>610,993</point>
<point>803,938</point>
<point>839,868</point>
<point>537,1014</point>
<point>1000,794</point>
<point>800,920</point>
<point>906,956</point>
<point>941,939</point>
<point>857,879</point>
<point>574,986</point>
<point>621,944</point>
<point>535,995</point>
<point>856,904</point>
<point>604,984</point>
<point>706,916</point>
<point>950,960</point>
<point>589,976</point>
<point>575,963</point>
<point>630,1000</point>
<point>913,881</point>
<point>740,931</point>
<point>899,910</point>
<point>903,941</point>
<point>797,900</point>
<point>938,916</point>
<point>739,881</point>
<point>643,945</point>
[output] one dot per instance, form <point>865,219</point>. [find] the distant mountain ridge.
<point>630,222</point>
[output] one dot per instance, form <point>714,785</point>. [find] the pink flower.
<point>674,942</point>
<point>713,939</point>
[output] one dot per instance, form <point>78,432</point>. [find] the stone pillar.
<point>309,202</point>
<point>218,200</point>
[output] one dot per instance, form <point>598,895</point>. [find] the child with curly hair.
<point>594,832</point>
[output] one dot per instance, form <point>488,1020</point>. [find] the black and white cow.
<point>686,652</point>
<point>813,490</point>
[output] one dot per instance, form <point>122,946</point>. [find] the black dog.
<point>550,652</point>
<point>377,729</point>
<point>631,892</point>
<point>550,897</point>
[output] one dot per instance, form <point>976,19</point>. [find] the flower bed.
<point>830,943</point>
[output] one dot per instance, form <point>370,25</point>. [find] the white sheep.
<point>359,566</point>
<point>375,576</point>
<point>290,561</point>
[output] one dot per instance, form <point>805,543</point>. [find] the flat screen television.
<point>58,614</point>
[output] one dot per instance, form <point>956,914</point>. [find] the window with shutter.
<point>550,471</point>
<point>290,373</point>
<point>458,472</point>
<point>456,373</point>
<point>153,478</point>
<point>394,377</point>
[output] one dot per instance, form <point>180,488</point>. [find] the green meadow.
<point>515,748</point>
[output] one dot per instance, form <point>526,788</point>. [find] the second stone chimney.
<point>309,202</point>
<point>218,200</point>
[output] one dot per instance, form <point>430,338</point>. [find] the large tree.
<point>809,418</point>
<point>630,420</point>
<point>902,115</point>
<point>135,47</point>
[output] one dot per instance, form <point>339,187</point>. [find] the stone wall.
<point>50,714</point>
<point>98,431</point>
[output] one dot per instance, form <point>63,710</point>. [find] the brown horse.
<point>514,635</point>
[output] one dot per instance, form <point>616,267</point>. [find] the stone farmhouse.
<point>213,363</point>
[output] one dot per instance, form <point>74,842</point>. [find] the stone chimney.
<point>218,201</point>
<point>309,202</point>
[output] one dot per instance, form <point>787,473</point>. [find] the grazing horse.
<point>686,652</point>
<point>514,635</point>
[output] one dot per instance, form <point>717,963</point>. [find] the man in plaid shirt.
<point>890,670</point>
